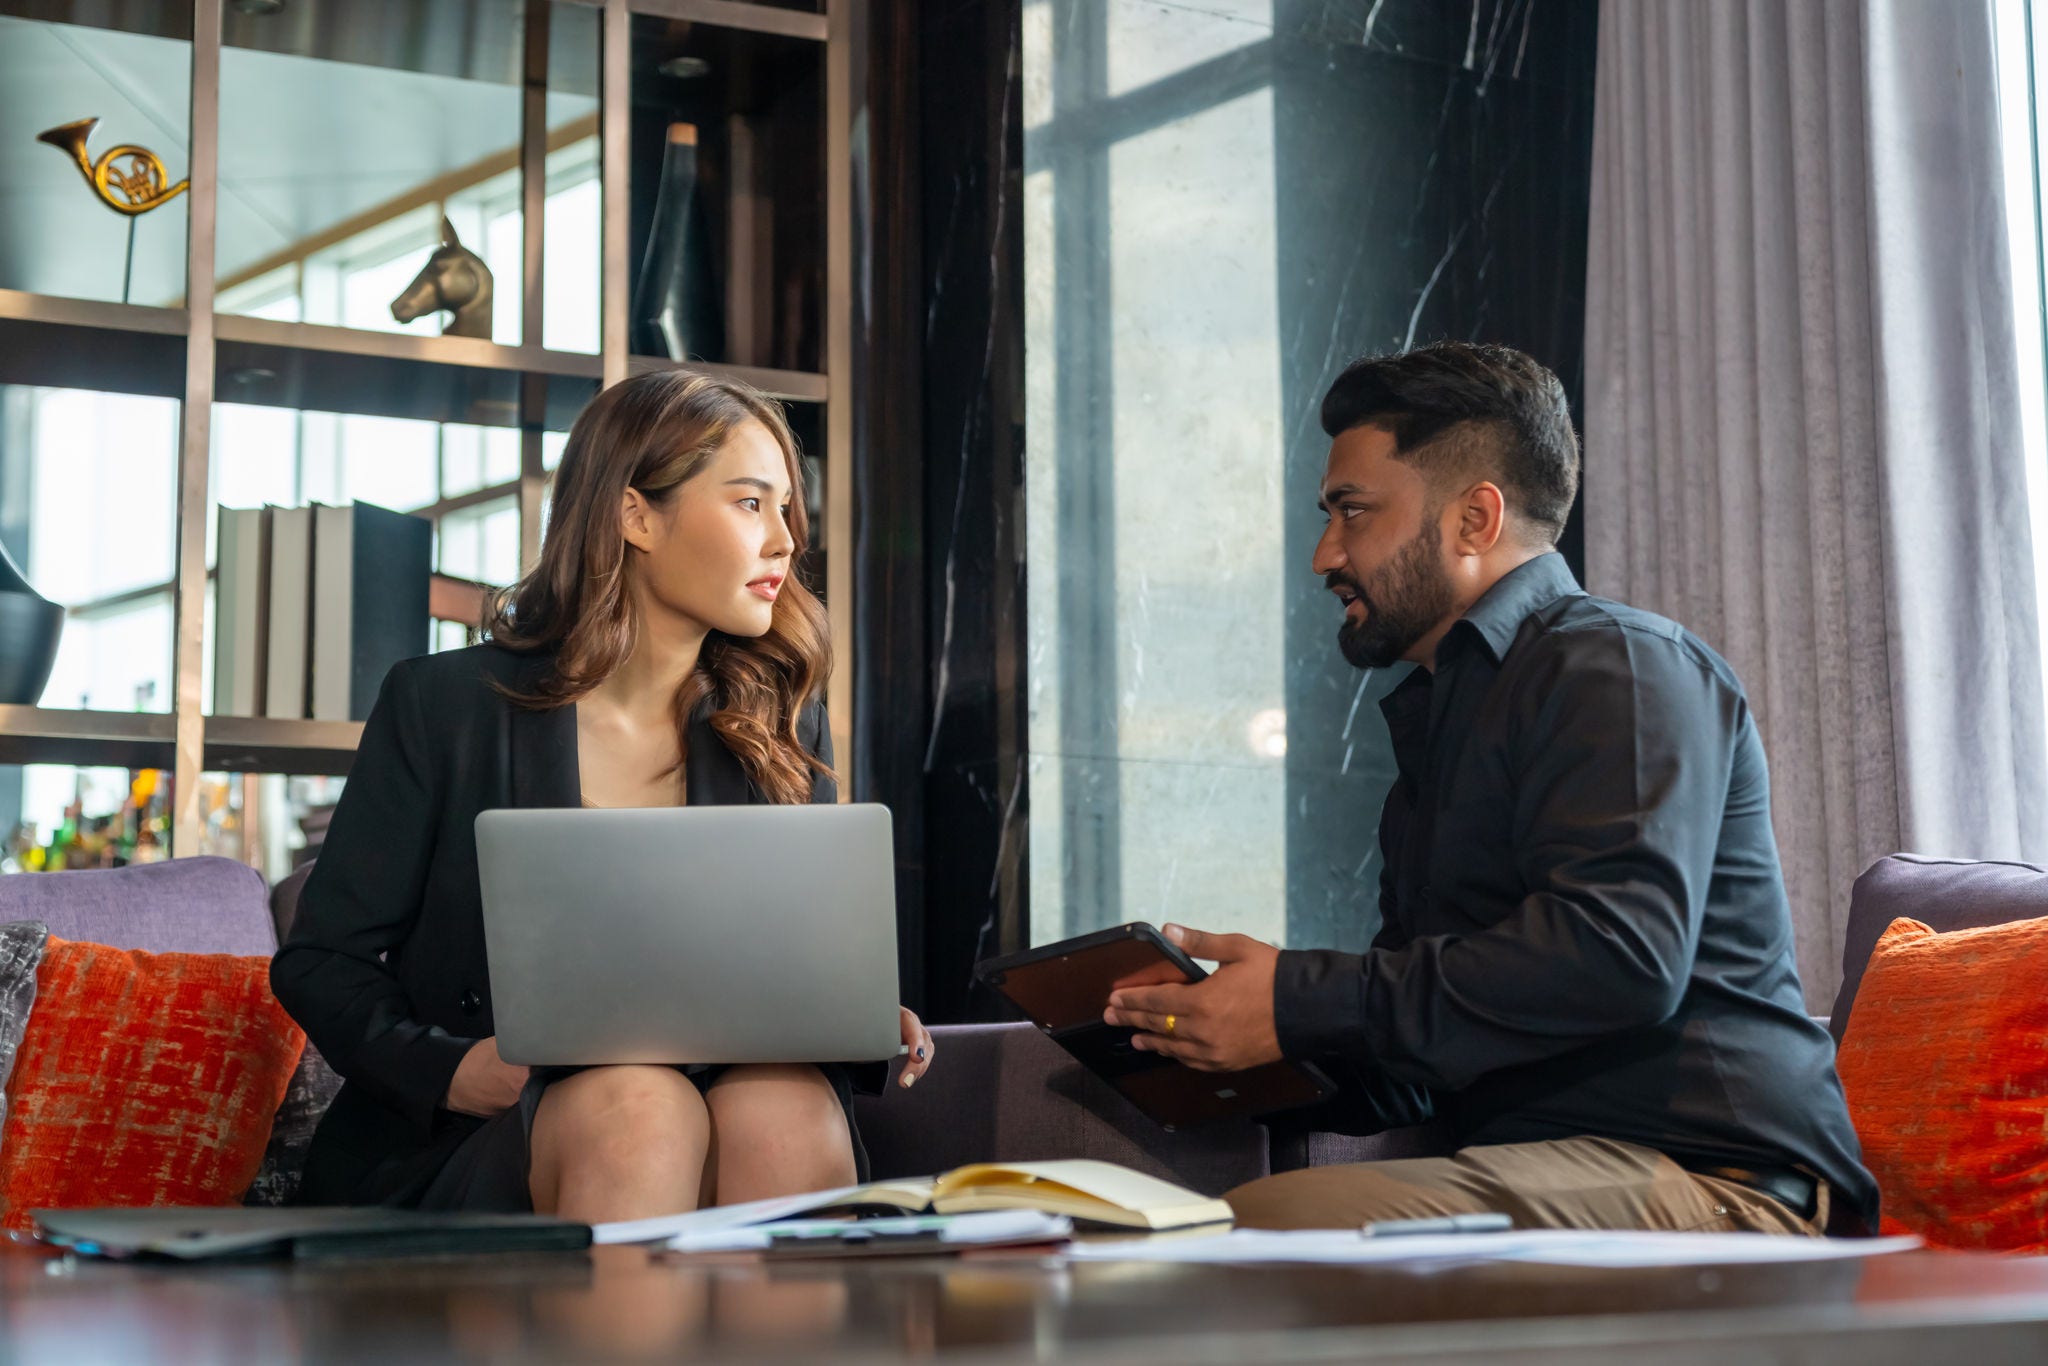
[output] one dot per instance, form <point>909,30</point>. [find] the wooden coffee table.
<point>621,1304</point>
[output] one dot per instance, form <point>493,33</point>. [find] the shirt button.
<point>471,1003</point>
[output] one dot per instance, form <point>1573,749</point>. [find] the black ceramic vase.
<point>676,311</point>
<point>29,626</point>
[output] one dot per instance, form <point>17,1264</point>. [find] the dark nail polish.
<point>920,1055</point>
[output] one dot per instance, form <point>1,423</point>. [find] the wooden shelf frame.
<point>231,744</point>
<point>199,356</point>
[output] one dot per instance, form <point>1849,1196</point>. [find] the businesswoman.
<point>664,652</point>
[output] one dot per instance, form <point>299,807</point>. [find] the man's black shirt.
<point>1585,927</point>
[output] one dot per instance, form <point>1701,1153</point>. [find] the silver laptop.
<point>730,934</point>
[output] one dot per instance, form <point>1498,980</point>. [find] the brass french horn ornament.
<point>128,179</point>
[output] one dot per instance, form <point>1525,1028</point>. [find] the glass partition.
<point>96,101</point>
<point>372,221</point>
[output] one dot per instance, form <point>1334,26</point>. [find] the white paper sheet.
<point>1559,1246</point>
<point>716,1219</point>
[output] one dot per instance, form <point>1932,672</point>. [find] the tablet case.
<point>239,1233</point>
<point>1064,988</point>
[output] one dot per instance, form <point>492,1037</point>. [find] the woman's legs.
<point>625,1142</point>
<point>778,1130</point>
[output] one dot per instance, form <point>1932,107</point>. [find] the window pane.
<point>1153,39</point>
<point>462,460</point>
<point>501,455</point>
<point>570,314</point>
<point>255,458</point>
<point>501,544</point>
<point>458,546</point>
<point>481,543</point>
<point>429,113</point>
<point>273,295</point>
<point>115,659</point>
<point>388,461</point>
<point>571,251</point>
<point>1157,485</point>
<point>2018,98</point>
<point>368,285</point>
<point>103,474</point>
<point>87,507</point>
<point>1182,758</point>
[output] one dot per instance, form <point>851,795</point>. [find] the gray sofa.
<point>999,1092</point>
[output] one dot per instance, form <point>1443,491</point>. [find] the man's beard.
<point>1406,599</point>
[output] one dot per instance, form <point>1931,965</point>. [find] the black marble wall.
<point>1434,168</point>
<point>940,673</point>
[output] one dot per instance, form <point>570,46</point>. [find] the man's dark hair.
<point>1461,410</point>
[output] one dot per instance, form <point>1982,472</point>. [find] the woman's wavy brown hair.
<point>654,433</point>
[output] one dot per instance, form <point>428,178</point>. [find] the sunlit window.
<point>2022,34</point>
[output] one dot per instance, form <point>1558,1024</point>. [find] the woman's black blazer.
<point>384,965</point>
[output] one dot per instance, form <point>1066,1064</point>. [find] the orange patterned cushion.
<point>144,1079</point>
<point>1946,1064</point>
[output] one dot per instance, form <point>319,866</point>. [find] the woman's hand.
<point>918,1040</point>
<point>485,1084</point>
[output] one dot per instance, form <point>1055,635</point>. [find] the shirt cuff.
<point>1318,1006</point>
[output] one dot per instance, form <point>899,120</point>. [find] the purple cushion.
<point>1944,894</point>
<point>187,905</point>
<point>1006,1093</point>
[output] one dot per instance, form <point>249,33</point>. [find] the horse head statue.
<point>454,277</point>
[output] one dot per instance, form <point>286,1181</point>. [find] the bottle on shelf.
<point>149,793</point>
<point>676,305</point>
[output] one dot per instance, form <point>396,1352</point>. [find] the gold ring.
<point>1170,1022</point>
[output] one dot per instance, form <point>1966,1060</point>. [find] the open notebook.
<point>1086,1191</point>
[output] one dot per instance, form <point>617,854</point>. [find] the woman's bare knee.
<point>615,1123</point>
<point>778,1129</point>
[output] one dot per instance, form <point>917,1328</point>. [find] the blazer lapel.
<point>712,776</point>
<point>541,756</point>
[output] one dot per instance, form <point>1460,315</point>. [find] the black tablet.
<point>1065,987</point>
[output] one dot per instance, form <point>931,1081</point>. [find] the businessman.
<point>1585,964</point>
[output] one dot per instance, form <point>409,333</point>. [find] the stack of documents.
<point>1562,1247</point>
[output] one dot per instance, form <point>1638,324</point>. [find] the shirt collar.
<point>1520,593</point>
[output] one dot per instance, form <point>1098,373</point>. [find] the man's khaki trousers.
<point>1585,1183</point>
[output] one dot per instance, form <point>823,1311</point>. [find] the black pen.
<point>1449,1223</point>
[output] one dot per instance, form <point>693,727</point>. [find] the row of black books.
<point>314,605</point>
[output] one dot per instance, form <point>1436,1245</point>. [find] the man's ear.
<point>1482,519</point>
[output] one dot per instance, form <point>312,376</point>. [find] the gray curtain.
<point>1802,416</point>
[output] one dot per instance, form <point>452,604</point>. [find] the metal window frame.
<point>1073,146</point>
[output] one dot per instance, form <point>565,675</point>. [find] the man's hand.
<point>484,1084</point>
<point>1223,1023</point>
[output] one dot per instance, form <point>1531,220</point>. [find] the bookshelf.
<point>522,84</point>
